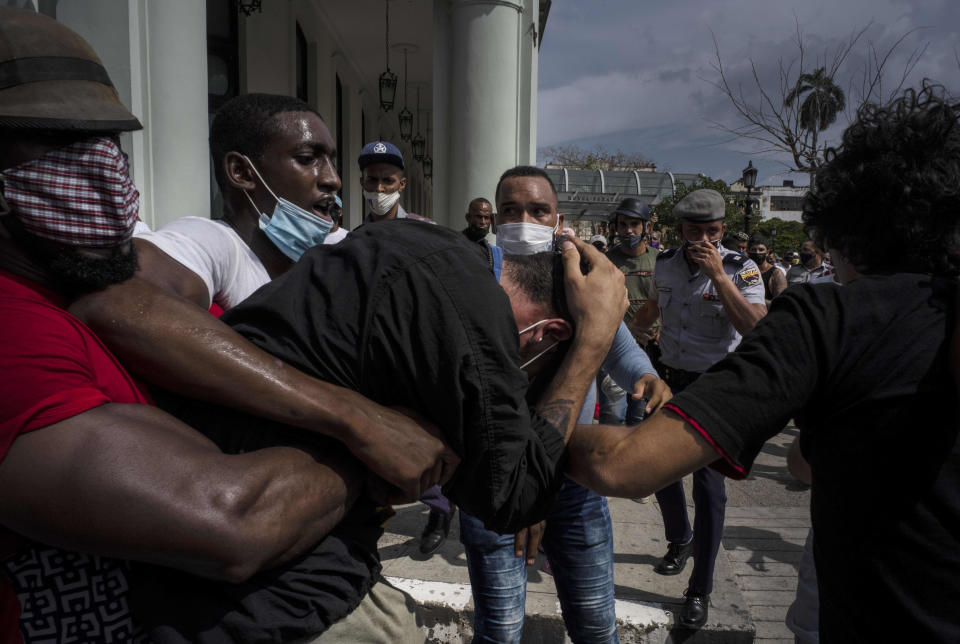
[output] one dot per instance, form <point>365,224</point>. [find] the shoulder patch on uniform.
<point>667,254</point>
<point>750,276</point>
<point>734,258</point>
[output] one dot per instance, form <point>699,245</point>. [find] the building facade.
<point>174,62</point>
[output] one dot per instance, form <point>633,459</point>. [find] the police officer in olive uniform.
<point>707,296</point>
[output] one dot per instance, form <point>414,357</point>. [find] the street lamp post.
<point>749,181</point>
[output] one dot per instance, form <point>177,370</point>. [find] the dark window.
<point>223,60</point>
<point>786,203</point>
<point>303,85</point>
<point>223,73</point>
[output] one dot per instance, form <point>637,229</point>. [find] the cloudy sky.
<point>638,74</point>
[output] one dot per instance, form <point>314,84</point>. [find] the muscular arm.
<point>636,461</point>
<point>778,282</point>
<point>184,503</point>
<point>170,342</point>
<point>597,303</point>
<point>169,275</point>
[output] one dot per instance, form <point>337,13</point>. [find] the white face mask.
<point>525,238</point>
<point>534,358</point>
<point>380,203</point>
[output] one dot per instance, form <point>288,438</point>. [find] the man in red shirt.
<point>85,464</point>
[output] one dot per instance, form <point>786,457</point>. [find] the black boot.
<point>695,608</point>
<point>676,558</point>
<point>436,531</point>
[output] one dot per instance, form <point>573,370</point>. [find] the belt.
<point>679,378</point>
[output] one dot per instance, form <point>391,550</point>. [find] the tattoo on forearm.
<point>557,413</point>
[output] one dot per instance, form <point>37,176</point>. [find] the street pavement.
<point>754,583</point>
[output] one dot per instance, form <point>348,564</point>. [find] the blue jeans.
<point>579,544</point>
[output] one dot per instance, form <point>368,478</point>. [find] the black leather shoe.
<point>676,558</point>
<point>694,611</point>
<point>436,531</point>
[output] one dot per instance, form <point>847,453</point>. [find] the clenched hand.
<point>401,448</point>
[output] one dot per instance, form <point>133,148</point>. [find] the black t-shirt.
<point>863,370</point>
<point>408,314</point>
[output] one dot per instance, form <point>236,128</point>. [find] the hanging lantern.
<point>388,80</point>
<point>247,7</point>
<point>419,143</point>
<point>427,167</point>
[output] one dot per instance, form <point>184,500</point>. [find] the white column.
<point>483,130</point>
<point>156,55</point>
<point>178,130</point>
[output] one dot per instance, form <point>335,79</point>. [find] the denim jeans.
<point>579,545</point>
<point>612,412</point>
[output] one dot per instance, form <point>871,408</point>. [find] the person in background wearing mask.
<point>810,265</point>
<point>479,217</point>
<point>655,239</point>
<point>527,222</point>
<point>637,261</point>
<point>774,259</point>
<point>383,179</point>
<point>773,280</point>
<point>599,242</point>
<point>743,240</point>
<point>275,206</point>
<point>708,297</point>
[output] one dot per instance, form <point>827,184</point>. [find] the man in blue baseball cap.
<point>383,179</point>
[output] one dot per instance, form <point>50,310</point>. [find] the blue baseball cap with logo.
<point>380,152</point>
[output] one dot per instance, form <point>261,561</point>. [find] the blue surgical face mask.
<point>631,241</point>
<point>292,229</point>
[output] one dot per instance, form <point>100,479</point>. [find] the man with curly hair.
<point>865,372</point>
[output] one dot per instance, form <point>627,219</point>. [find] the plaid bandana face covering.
<point>80,195</point>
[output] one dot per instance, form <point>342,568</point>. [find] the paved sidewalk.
<point>755,578</point>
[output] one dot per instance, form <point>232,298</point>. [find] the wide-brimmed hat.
<point>51,79</point>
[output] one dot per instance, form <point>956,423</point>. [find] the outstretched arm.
<point>633,462</point>
<point>175,344</point>
<point>130,481</point>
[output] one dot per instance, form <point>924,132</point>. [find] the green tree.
<point>790,234</point>
<point>823,102</point>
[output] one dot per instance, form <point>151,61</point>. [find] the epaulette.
<point>736,259</point>
<point>667,254</point>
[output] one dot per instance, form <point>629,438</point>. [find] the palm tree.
<point>823,101</point>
